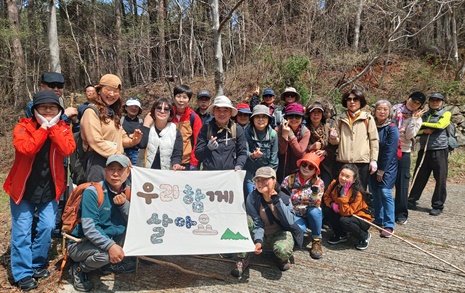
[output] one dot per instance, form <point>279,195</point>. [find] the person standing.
<point>35,183</point>
<point>221,143</point>
<point>243,114</point>
<point>382,182</point>
<point>130,122</point>
<point>407,117</point>
<point>356,135</point>
<point>203,101</point>
<point>189,123</point>
<point>433,155</point>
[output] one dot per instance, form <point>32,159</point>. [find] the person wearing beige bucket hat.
<point>221,143</point>
<point>306,189</point>
<point>102,133</point>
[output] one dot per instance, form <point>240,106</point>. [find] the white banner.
<point>187,212</point>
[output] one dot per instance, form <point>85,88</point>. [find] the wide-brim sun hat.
<point>222,102</point>
<point>261,110</point>
<point>290,90</point>
<point>313,159</point>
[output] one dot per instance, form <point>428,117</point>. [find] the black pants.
<point>341,225</point>
<point>402,184</point>
<point>435,161</point>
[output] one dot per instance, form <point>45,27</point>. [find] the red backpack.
<point>70,216</point>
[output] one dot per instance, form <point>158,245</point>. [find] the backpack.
<point>233,130</point>
<point>70,215</point>
<point>77,159</point>
<point>452,137</point>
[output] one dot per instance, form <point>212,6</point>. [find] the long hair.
<point>356,184</point>
<point>112,112</point>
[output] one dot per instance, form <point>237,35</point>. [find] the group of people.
<point>302,167</point>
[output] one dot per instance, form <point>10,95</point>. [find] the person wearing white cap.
<point>131,122</point>
<point>221,144</point>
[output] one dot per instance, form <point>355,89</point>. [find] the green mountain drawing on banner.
<point>230,235</point>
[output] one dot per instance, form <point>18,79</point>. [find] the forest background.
<point>386,48</point>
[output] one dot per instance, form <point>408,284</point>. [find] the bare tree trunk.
<point>219,73</point>
<point>119,56</point>
<point>358,16</point>
<point>95,39</point>
<point>455,48</point>
<point>17,56</point>
<point>161,38</point>
<point>55,65</point>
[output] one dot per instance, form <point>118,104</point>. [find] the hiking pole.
<point>410,243</point>
<point>419,165</point>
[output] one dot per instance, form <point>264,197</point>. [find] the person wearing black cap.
<point>433,155</point>
<point>203,101</point>
<point>407,117</point>
<point>54,81</point>
<point>35,183</point>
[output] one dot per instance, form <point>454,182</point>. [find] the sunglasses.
<point>160,109</point>
<point>53,85</point>
<point>307,165</point>
<point>290,95</point>
<point>293,116</point>
<point>352,99</point>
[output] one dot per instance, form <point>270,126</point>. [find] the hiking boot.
<point>412,205</point>
<point>401,221</point>
<point>27,283</point>
<point>283,265</point>
<point>119,268</point>
<point>336,239</point>
<point>435,212</point>
<point>41,273</point>
<point>81,281</point>
<point>241,265</point>
<point>386,233</point>
<point>316,252</point>
<point>363,244</point>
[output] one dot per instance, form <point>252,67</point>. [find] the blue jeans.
<point>313,220</point>
<point>384,206</point>
<point>132,155</point>
<point>28,254</point>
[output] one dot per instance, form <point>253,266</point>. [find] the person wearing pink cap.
<point>306,189</point>
<point>243,114</point>
<point>293,140</point>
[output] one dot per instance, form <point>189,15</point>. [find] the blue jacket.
<point>387,158</point>
<point>104,225</point>
<point>268,146</point>
<point>286,216</point>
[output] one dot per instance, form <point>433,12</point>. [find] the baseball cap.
<point>109,80</point>
<point>119,158</point>
<point>268,92</point>
<point>204,93</point>
<point>133,102</point>
<point>243,108</point>
<point>418,96</point>
<point>264,172</point>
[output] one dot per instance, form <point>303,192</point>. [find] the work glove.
<point>212,144</point>
<point>54,120</point>
<point>335,207</point>
<point>373,167</point>
<point>40,119</point>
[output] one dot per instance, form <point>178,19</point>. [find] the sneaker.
<point>241,265</point>
<point>119,268</point>
<point>412,205</point>
<point>316,252</point>
<point>27,283</point>
<point>283,265</point>
<point>41,273</point>
<point>386,233</point>
<point>435,212</point>
<point>81,281</point>
<point>363,244</point>
<point>401,221</point>
<point>336,239</point>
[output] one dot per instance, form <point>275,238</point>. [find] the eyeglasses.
<point>43,108</point>
<point>287,95</point>
<point>353,100</point>
<point>162,109</point>
<point>307,165</point>
<point>112,89</point>
<point>53,85</point>
<point>294,116</point>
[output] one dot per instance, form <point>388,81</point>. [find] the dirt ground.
<point>388,265</point>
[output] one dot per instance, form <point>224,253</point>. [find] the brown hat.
<point>109,80</point>
<point>264,172</point>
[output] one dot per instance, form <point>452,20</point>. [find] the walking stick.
<point>419,166</point>
<point>410,243</point>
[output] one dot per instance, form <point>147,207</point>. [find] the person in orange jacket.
<point>344,198</point>
<point>35,183</point>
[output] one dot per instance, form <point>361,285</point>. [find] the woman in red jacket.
<point>35,184</point>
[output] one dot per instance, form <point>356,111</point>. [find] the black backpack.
<point>452,137</point>
<point>77,160</point>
